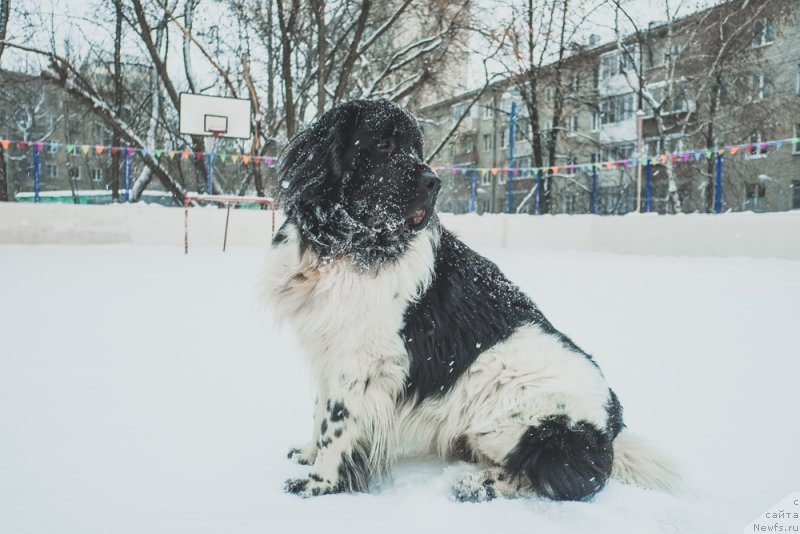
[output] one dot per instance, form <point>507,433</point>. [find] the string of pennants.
<point>663,159</point>
<point>158,153</point>
<point>270,161</point>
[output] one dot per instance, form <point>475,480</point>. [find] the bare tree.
<point>686,67</point>
<point>542,37</point>
<point>5,6</point>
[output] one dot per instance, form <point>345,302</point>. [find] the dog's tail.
<point>637,463</point>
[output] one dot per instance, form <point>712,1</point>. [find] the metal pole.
<point>538,190</point>
<point>227,218</point>
<point>647,185</point>
<point>185,225</point>
<point>209,172</point>
<point>639,153</point>
<point>473,201</point>
<point>511,126</point>
<point>36,172</point>
<point>127,175</point>
<point>594,189</point>
<point>718,190</point>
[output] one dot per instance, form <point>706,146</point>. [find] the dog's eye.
<point>386,145</point>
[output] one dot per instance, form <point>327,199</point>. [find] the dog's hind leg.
<point>556,458</point>
<point>489,483</point>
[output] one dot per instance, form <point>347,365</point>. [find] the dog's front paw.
<point>312,486</point>
<point>303,455</point>
<point>475,487</point>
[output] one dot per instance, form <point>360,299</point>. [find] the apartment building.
<point>723,77</point>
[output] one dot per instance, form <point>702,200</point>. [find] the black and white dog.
<point>417,341</point>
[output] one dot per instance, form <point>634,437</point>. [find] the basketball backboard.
<point>215,116</point>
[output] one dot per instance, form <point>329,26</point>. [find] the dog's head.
<point>356,184</point>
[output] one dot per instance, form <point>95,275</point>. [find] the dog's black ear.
<point>310,168</point>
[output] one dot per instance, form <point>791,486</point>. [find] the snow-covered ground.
<point>145,391</point>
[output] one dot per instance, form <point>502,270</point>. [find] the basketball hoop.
<point>214,116</point>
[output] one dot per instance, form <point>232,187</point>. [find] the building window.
<point>574,124</point>
<point>550,93</point>
<point>519,130</point>
<point>671,144</point>
<point>595,121</point>
<point>572,164</point>
<point>797,82</point>
<point>618,152</point>
<point>501,177</point>
<point>457,110</point>
<point>97,175</point>
<point>487,111</point>
<point>764,33</point>
<point>487,205</point>
<point>569,203</point>
<point>756,150</point>
<point>762,87</point>
<point>671,54</point>
<point>609,66</point>
<point>74,173</point>
<point>469,146</point>
<point>795,194</point>
<point>796,139</point>
<point>575,84</point>
<point>486,178</point>
<point>52,170</point>
<point>616,109</point>
<point>754,197</point>
<point>503,134</point>
<point>487,142</point>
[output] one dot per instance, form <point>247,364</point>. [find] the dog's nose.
<point>431,181</point>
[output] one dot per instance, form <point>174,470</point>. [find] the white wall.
<point>739,234</point>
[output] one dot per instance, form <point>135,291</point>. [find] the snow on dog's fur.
<point>416,341</point>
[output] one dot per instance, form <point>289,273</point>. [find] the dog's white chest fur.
<point>340,311</point>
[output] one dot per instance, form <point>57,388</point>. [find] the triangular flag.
<point>85,149</point>
<point>185,154</point>
<point>270,161</point>
<point>5,143</point>
<point>245,160</point>
<point>171,154</point>
<point>235,158</point>
<point>223,157</point>
<point>70,149</point>
<point>256,160</point>
<point>142,151</point>
<point>198,156</point>
<point>697,156</point>
<point>664,159</point>
<point>157,153</point>
<point>114,150</point>
<point>22,145</point>
<point>734,150</point>
<point>778,145</point>
<point>38,146</point>
<point>99,149</point>
<point>434,169</point>
<point>686,158</point>
<point>494,171</point>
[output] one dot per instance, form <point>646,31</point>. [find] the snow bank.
<point>734,234</point>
